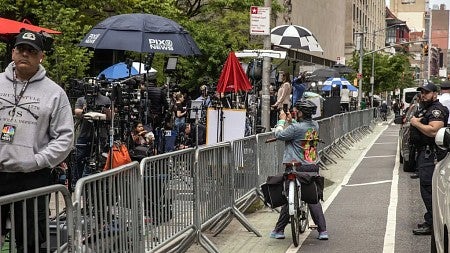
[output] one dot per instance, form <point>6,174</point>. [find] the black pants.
<point>316,214</point>
<point>17,182</point>
<point>425,167</point>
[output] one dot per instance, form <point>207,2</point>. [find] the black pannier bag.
<point>311,187</point>
<point>273,191</point>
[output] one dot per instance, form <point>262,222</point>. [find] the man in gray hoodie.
<point>37,132</point>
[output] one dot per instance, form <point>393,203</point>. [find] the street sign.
<point>340,60</point>
<point>259,20</point>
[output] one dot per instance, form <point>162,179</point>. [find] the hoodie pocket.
<point>18,159</point>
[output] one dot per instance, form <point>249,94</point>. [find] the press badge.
<point>8,132</point>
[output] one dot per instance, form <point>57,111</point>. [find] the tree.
<point>217,26</point>
<point>390,71</point>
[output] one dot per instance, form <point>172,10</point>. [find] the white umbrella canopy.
<point>140,67</point>
<point>294,36</point>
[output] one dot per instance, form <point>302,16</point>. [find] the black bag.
<point>311,187</point>
<point>273,191</point>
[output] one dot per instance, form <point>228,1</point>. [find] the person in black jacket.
<point>424,127</point>
<point>154,104</point>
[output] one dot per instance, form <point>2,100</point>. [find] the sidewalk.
<point>235,238</point>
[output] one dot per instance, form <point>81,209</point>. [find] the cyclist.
<point>294,130</point>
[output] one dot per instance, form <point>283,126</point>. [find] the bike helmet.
<point>307,107</point>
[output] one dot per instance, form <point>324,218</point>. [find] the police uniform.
<point>427,156</point>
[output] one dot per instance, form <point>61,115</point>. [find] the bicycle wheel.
<point>295,221</point>
<point>303,214</point>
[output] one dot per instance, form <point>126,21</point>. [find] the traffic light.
<point>425,50</point>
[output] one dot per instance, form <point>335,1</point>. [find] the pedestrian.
<point>424,127</point>
<point>444,98</point>
<point>300,133</point>
<point>155,107</point>
<point>143,141</point>
<point>396,107</point>
<point>298,87</point>
<point>93,131</point>
<point>37,134</point>
<point>383,110</point>
<point>345,98</point>
<point>180,111</point>
<point>284,92</point>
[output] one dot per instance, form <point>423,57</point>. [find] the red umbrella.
<point>233,77</point>
<point>9,28</point>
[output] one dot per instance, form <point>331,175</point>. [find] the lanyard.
<point>17,98</point>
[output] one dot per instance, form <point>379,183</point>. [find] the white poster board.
<point>227,128</point>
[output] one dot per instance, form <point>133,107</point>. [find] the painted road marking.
<point>389,236</point>
<point>371,183</point>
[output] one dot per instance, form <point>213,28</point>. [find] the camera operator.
<point>155,103</point>
<point>187,138</point>
<point>93,101</point>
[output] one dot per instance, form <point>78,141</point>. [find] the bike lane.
<point>375,207</point>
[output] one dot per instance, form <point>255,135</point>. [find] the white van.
<point>408,95</point>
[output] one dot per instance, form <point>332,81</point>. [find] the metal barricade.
<point>48,214</point>
<point>270,156</point>
<point>168,196</point>
<point>246,171</point>
<point>214,188</point>
<point>109,212</point>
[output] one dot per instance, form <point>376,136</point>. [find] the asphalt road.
<point>371,205</point>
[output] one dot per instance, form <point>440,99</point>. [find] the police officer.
<point>424,127</point>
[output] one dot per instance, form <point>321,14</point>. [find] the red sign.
<point>359,76</point>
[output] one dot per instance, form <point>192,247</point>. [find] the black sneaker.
<point>414,176</point>
<point>425,230</point>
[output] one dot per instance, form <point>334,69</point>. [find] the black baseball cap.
<point>30,38</point>
<point>445,85</point>
<point>428,87</point>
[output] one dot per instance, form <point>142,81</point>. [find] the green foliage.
<point>217,26</point>
<point>390,71</point>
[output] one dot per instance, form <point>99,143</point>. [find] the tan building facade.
<point>411,11</point>
<point>334,23</point>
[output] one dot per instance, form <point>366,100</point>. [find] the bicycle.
<point>298,209</point>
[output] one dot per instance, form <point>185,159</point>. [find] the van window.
<point>408,95</point>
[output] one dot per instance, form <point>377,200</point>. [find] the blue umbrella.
<point>117,71</point>
<point>338,81</point>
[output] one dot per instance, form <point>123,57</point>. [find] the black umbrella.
<point>144,33</point>
<point>323,74</point>
<point>342,69</point>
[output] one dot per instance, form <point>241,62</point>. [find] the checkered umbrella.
<point>294,36</point>
<point>337,82</point>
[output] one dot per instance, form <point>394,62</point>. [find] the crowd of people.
<point>38,131</point>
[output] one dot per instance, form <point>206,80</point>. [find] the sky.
<point>433,2</point>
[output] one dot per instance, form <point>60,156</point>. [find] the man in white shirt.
<point>444,98</point>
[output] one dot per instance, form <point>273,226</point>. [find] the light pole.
<point>265,96</point>
<point>360,69</point>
